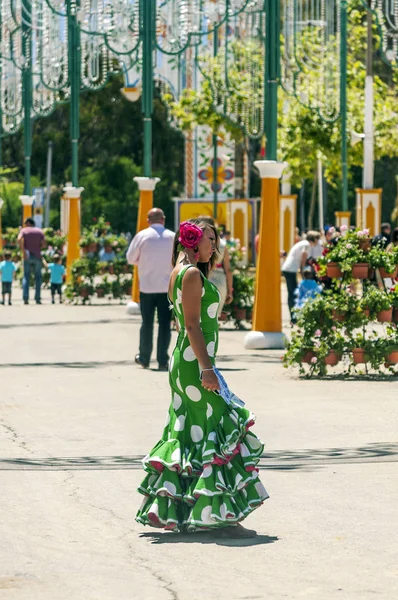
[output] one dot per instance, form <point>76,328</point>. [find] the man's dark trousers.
<point>291,283</point>
<point>148,304</point>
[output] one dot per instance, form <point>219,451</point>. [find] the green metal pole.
<point>272,60</point>
<point>147,36</point>
<point>74,78</point>
<point>343,102</point>
<point>214,140</point>
<point>27,90</point>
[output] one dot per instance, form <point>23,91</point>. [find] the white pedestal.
<point>133,308</point>
<point>265,340</point>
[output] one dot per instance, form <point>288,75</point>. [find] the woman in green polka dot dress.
<point>202,473</point>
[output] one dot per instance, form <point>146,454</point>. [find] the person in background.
<point>7,270</point>
<point>31,241</point>
<point>105,256</point>
<point>229,240</point>
<point>394,240</point>
<point>151,250</point>
<point>307,289</point>
<point>57,277</point>
<point>384,238</point>
<point>221,273</point>
<point>316,250</point>
<point>295,261</point>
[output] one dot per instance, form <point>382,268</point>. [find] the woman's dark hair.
<point>203,223</point>
<point>394,237</point>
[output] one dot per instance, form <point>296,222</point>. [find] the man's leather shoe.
<point>139,362</point>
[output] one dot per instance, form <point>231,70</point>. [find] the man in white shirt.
<point>151,249</point>
<point>295,260</point>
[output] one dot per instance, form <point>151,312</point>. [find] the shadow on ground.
<point>280,460</point>
<point>206,537</point>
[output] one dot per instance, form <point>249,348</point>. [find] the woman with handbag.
<point>202,473</point>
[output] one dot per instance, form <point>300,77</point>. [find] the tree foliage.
<point>110,156</point>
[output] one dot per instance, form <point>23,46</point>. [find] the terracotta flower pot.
<point>100,292</point>
<point>127,290</point>
<point>249,314</point>
<point>385,274</point>
<point>333,358</point>
<point>223,316</point>
<point>359,356</point>
<point>307,356</point>
<point>239,314</point>
<point>366,312</point>
<point>392,357</point>
<point>84,292</point>
<point>360,271</point>
<point>365,245</point>
<point>333,271</point>
<point>385,316</point>
<point>395,314</point>
<point>338,316</point>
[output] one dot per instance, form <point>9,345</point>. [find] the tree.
<point>110,156</point>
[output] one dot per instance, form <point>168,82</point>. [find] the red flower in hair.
<point>190,234</point>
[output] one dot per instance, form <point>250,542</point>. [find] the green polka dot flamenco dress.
<point>202,474</point>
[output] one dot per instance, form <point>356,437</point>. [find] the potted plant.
<point>127,285</point>
<point>346,258</point>
<point>379,304</point>
<point>394,302</point>
<point>88,242</point>
<point>384,261</point>
<point>103,288</point>
<point>361,348</point>
<point>243,285</point>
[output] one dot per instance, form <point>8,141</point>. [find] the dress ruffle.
<point>211,484</point>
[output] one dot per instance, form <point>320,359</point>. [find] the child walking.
<point>307,289</point>
<point>7,270</point>
<point>57,277</point>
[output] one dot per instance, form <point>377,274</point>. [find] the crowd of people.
<point>31,242</point>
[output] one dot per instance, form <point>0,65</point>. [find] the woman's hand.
<point>210,381</point>
<point>230,297</point>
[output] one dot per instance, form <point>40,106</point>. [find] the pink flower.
<point>331,230</point>
<point>349,246</point>
<point>190,234</point>
<point>334,328</point>
<point>318,333</point>
<point>314,360</point>
<point>343,228</point>
<point>366,232</point>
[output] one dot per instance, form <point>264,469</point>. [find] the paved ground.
<point>76,416</point>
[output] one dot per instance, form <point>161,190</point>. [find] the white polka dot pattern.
<point>193,393</point>
<point>196,433</point>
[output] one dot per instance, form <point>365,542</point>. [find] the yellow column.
<point>369,209</point>
<point>343,218</point>
<point>267,314</point>
<point>146,185</point>
<point>27,203</point>
<point>1,227</point>
<point>73,239</point>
